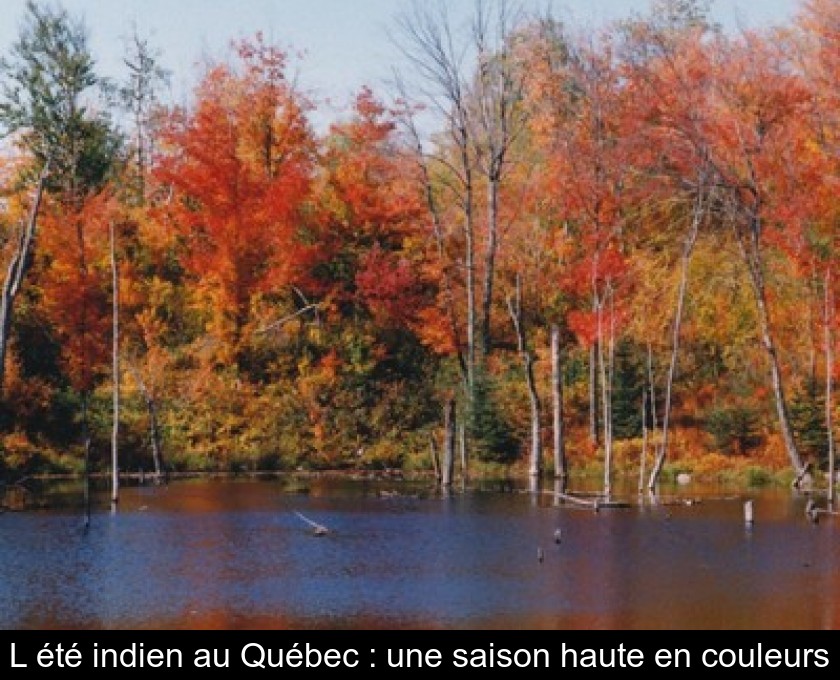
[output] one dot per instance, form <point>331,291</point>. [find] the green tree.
<point>48,79</point>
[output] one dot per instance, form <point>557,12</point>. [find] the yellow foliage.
<point>16,444</point>
<point>712,464</point>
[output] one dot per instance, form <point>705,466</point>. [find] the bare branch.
<point>276,324</point>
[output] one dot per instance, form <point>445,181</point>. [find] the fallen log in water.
<point>688,502</point>
<point>596,503</point>
<point>813,511</point>
<point>317,529</point>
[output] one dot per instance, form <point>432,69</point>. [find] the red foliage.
<point>241,165</point>
<point>388,287</point>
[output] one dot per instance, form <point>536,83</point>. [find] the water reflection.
<point>234,554</point>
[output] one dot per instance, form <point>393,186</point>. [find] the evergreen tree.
<point>491,437</point>
<point>807,413</point>
<point>627,391</point>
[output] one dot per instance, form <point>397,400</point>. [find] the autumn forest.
<point>539,250</point>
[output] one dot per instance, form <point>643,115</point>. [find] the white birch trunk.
<point>115,356</point>
<point>643,456</point>
<point>750,246</point>
<point>829,386</point>
<point>515,310</point>
<point>560,465</point>
<point>685,263</point>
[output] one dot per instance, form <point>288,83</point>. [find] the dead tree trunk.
<point>154,434</point>
<point>154,428</point>
<point>652,387</point>
<point>605,365</point>
<point>685,263</point>
<point>449,443</point>
<point>489,261</point>
<point>462,447</point>
<point>446,269</point>
<point>115,356</point>
<point>829,385</point>
<point>499,119</point>
<point>593,394</point>
<point>643,455</point>
<point>750,246</point>
<point>560,464</point>
<point>515,310</point>
<point>777,382</point>
<point>535,469</point>
<point>86,453</point>
<point>608,421</point>
<point>433,454</point>
<point>16,271</point>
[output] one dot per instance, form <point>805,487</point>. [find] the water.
<point>233,554</point>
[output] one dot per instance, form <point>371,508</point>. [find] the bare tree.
<point>140,96</point>
<point>499,120</point>
<point>606,367</point>
<point>450,427</point>
<point>115,359</point>
<point>426,38</point>
<point>437,220</point>
<point>469,79</point>
<point>155,439</point>
<point>695,219</point>
<point>560,463</point>
<point>653,51</point>
<point>829,382</point>
<point>514,304</point>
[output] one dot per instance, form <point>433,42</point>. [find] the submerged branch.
<point>317,529</point>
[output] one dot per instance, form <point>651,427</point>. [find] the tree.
<point>240,166</point>
<point>49,78</point>
<point>581,118</point>
<point>428,40</point>
<point>139,96</point>
<point>672,81</point>
<point>474,83</point>
<point>514,304</point>
<point>371,286</point>
<point>17,268</point>
<point>46,79</point>
<point>819,58</point>
<point>500,120</point>
<point>754,144</point>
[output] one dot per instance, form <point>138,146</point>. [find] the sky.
<point>344,43</point>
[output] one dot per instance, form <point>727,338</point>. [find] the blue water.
<point>233,554</point>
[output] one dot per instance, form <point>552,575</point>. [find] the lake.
<point>238,554</point>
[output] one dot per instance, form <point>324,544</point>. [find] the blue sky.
<point>345,41</point>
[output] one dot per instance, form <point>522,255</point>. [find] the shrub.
<point>757,476</point>
<point>733,428</point>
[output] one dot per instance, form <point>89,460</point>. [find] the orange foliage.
<point>77,282</point>
<point>370,210</point>
<point>240,164</point>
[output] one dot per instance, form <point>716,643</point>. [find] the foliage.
<point>627,391</point>
<point>735,429</point>
<point>808,417</point>
<point>493,441</point>
<point>291,298</point>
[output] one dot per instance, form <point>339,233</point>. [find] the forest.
<point>540,250</point>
